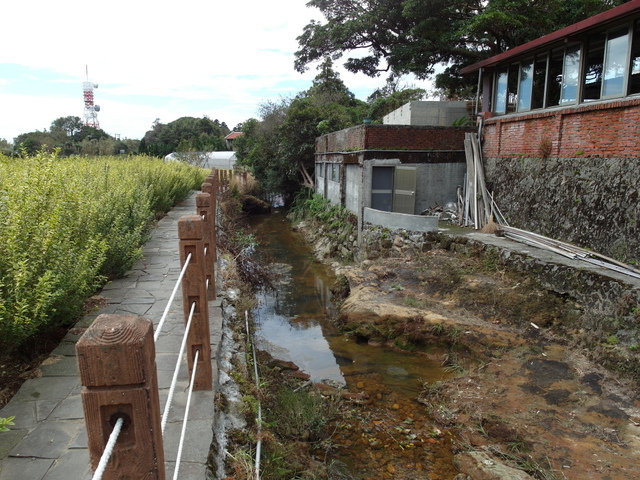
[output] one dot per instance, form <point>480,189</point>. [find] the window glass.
<point>539,74</point>
<point>554,77</point>
<point>634,77</point>
<point>615,64</point>
<point>501,92</point>
<point>526,82</point>
<point>593,68</point>
<point>570,75</point>
<point>512,87</point>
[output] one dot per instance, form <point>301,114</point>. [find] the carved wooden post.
<point>116,359</point>
<point>194,290</point>
<point>203,204</point>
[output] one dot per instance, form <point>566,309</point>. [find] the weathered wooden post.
<point>209,187</point>
<point>116,359</point>
<point>194,290</point>
<point>203,205</point>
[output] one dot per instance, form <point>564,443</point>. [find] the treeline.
<point>68,225</point>
<point>68,136</point>
<point>186,134</point>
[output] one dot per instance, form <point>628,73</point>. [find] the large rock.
<point>480,466</point>
<point>253,205</point>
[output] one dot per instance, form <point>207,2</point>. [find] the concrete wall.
<point>353,188</point>
<point>442,114</point>
<point>592,202</point>
<point>437,183</point>
<point>392,220</point>
<point>333,193</point>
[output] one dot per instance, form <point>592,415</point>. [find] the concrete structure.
<point>225,160</point>
<point>433,113</point>
<point>394,168</point>
<point>49,440</point>
<point>394,221</point>
<point>561,132</point>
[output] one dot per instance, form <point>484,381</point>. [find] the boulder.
<point>480,466</point>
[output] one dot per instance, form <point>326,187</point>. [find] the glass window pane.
<point>570,75</point>
<point>593,67</point>
<point>526,82</point>
<point>539,75</point>
<point>512,87</point>
<point>634,80</point>
<point>501,93</point>
<point>554,79</point>
<point>615,62</point>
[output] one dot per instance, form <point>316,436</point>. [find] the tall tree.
<point>414,36</point>
<point>280,148</point>
<point>184,134</point>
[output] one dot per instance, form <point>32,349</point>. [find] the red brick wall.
<point>607,129</point>
<point>393,137</point>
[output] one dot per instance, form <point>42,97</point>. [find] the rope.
<point>174,381</point>
<point>108,449</point>
<point>186,415</point>
<point>255,372</point>
<point>173,294</point>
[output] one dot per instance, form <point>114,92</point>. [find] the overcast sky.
<point>151,60</point>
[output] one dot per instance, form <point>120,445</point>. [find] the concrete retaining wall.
<point>392,220</point>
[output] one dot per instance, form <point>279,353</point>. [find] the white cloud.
<point>155,60</point>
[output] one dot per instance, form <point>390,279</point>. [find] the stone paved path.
<point>48,440</point>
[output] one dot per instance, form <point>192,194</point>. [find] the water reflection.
<point>293,325</point>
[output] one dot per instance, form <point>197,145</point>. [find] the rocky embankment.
<point>526,401</point>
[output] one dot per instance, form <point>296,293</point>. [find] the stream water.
<point>293,320</point>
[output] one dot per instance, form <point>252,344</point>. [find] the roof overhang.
<point>567,33</point>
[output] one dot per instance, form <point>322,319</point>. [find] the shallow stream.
<point>293,321</point>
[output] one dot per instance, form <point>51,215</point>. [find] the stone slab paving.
<point>49,440</point>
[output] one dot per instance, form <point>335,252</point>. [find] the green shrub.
<point>68,224</point>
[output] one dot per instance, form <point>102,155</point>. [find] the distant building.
<point>231,137</point>
<point>431,113</point>
<point>225,160</point>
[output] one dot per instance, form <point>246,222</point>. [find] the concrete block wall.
<point>604,129</point>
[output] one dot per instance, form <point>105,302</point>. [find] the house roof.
<point>614,14</point>
<point>233,135</point>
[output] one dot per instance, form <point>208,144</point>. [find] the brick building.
<point>561,132</point>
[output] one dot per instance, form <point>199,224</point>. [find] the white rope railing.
<point>173,294</point>
<point>174,380</point>
<point>186,415</point>
<point>257,378</point>
<point>108,450</point>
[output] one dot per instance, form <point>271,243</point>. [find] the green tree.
<point>280,148</point>
<point>184,134</point>
<point>5,147</point>
<point>415,36</point>
<point>66,127</point>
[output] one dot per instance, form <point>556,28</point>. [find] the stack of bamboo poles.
<point>475,202</point>
<point>478,209</point>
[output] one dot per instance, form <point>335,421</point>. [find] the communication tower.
<point>90,109</point>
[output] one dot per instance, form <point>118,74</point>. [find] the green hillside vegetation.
<point>68,225</point>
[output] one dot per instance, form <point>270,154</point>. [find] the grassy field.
<point>67,225</point>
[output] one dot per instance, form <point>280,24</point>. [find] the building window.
<point>501,92</point>
<point>634,73</point>
<point>525,85</point>
<point>570,75</point>
<point>615,63</point>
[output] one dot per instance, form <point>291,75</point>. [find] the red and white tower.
<point>90,109</point>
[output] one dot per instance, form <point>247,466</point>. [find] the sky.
<point>152,60</point>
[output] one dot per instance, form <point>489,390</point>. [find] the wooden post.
<point>203,205</point>
<point>209,187</point>
<point>194,290</point>
<point>116,359</point>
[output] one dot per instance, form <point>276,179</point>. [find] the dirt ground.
<point>522,391</point>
